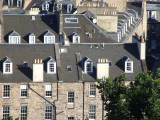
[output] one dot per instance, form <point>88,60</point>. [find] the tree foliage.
<point>140,100</point>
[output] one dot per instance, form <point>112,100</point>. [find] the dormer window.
<point>45,6</point>
<point>51,66</point>
<point>128,66</point>
<point>14,38</point>
<point>76,38</point>
<point>31,38</point>
<point>88,66</point>
<point>7,66</point>
<point>10,2</point>
<point>69,8</point>
<point>49,38</point>
<point>19,3</point>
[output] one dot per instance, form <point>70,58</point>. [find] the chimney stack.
<point>38,71</point>
<point>142,48</point>
<point>102,68</point>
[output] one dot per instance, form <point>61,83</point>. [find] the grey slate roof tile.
<point>24,25</point>
<point>114,53</point>
<point>20,53</point>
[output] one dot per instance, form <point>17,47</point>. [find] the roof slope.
<point>20,53</point>
<point>114,53</point>
<point>24,25</point>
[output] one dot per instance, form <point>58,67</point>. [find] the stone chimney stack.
<point>144,19</point>
<point>142,48</point>
<point>102,68</point>
<point>60,22</point>
<point>38,71</point>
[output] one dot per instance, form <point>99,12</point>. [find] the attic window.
<point>69,68</point>
<point>14,38</point>
<point>88,66</point>
<point>10,2</point>
<point>51,66</point>
<point>49,37</point>
<point>45,6</point>
<point>71,20</point>
<point>19,3</point>
<point>128,66</point>
<point>7,66</point>
<point>76,38</point>
<point>31,38</point>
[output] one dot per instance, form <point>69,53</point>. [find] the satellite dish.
<point>94,20</point>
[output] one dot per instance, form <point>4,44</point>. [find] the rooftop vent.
<point>33,18</point>
<point>63,50</point>
<point>69,68</point>
<point>25,64</point>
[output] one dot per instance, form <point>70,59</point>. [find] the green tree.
<point>113,95</point>
<point>143,96</point>
<point>138,101</point>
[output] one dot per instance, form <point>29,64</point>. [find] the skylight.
<point>71,20</point>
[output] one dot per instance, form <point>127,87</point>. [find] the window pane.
<point>23,90</point>
<point>48,90</point>
<point>92,89</point>
<point>71,118</point>
<point>7,67</point>
<point>23,114</point>
<point>6,91</point>
<point>92,112</point>
<point>70,97</point>
<point>5,112</point>
<point>48,112</point>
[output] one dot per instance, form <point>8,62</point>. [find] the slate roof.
<point>110,51</point>
<point>20,53</point>
<point>83,28</point>
<point>24,25</point>
<point>36,3</point>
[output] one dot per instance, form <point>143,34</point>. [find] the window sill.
<point>48,96</point>
<point>23,97</point>
<point>92,96</point>
<point>6,97</point>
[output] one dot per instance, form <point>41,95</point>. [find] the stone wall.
<point>36,104</point>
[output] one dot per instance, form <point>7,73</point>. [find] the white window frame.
<point>14,39</point>
<point>128,64</point>
<point>23,112</point>
<point>93,112</point>
<point>6,92</point>
<point>18,3</point>
<point>86,65</point>
<point>70,99</point>
<point>49,39</point>
<point>48,112</point>
<point>92,90</point>
<point>31,39</point>
<point>23,91</point>
<point>76,39</point>
<point>45,6</point>
<point>10,2</point>
<point>10,69</point>
<point>49,67</point>
<point>67,20</point>
<point>48,90</point>
<point>5,113</point>
<point>69,8</point>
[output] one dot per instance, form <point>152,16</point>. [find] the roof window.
<point>71,20</point>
